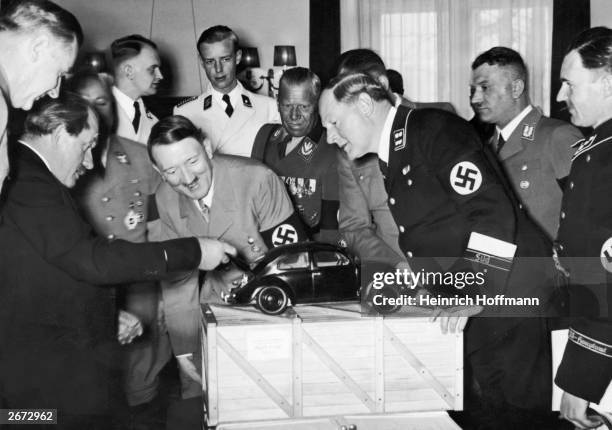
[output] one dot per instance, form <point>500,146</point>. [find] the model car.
<point>306,272</point>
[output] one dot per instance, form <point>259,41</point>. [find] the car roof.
<point>273,253</point>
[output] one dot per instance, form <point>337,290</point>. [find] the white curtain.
<point>432,43</point>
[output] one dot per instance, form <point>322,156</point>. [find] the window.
<point>297,260</point>
<point>432,43</point>
<point>330,258</point>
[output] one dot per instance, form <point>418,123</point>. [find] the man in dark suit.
<point>56,324</point>
<point>448,201</point>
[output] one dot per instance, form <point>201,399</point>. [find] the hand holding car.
<point>128,327</point>
<point>214,252</point>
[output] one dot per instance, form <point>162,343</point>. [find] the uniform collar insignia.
<point>246,101</point>
<point>185,101</point>
<point>208,102</point>
<point>528,131</point>
<point>398,139</point>
<point>307,148</point>
<point>121,157</point>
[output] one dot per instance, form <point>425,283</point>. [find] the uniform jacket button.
<point>562,215</point>
<point>409,254</point>
<point>105,199</point>
<point>571,185</point>
<point>137,194</point>
<point>409,182</point>
<point>110,236</point>
<point>110,218</point>
<point>402,229</point>
<point>391,201</point>
<point>524,167</point>
<point>588,158</point>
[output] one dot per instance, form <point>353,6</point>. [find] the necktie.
<point>136,119</point>
<point>204,210</point>
<point>500,143</point>
<point>229,110</point>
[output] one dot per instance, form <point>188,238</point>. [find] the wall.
<point>259,23</point>
<point>601,13</point>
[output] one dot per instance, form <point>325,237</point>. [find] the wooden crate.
<point>322,361</point>
<point>409,421</point>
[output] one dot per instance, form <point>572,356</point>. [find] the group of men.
<point>403,184</point>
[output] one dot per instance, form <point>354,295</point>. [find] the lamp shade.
<point>250,57</point>
<point>284,55</point>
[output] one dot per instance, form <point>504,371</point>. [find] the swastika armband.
<point>589,343</point>
<point>465,178</point>
<point>286,232</point>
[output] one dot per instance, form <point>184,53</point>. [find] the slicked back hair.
<point>69,110</point>
<point>172,129</point>
<point>129,47</point>
<point>218,33</point>
<point>361,61</point>
<point>27,16</point>
<point>300,76</point>
<point>347,88</point>
<point>503,57</point>
<point>595,48</point>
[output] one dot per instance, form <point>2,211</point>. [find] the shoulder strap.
<point>262,138</point>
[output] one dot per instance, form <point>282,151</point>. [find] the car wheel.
<point>272,300</point>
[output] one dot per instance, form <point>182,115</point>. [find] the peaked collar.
<point>523,135</point>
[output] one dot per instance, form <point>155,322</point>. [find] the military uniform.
<point>116,203</point>
<point>442,187</point>
<point>366,225</point>
<point>536,156</point>
<point>125,113</point>
<point>250,210</point>
<point>230,135</point>
<point>310,174</point>
<point>585,248</point>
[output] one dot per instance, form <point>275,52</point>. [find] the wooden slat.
<point>338,371</point>
<point>419,367</point>
<point>211,393</point>
<point>257,377</point>
<point>296,368</point>
<point>379,363</point>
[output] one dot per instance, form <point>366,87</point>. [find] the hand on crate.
<point>454,319</point>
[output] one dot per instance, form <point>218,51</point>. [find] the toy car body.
<point>306,272</point>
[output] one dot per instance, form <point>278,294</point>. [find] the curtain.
<point>432,43</point>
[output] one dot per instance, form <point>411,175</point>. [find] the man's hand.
<point>574,409</point>
<point>454,319</point>
<point>214,252</point>
<point>128,328</point>
<point>186,365</point>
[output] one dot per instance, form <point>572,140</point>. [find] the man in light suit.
<point>228,114</point>
<point>137,74</point>
<point>235,199</point>
<point>535,150</point>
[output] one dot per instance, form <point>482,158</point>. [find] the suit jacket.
<point>535,157</point>
<point>249,201</point>
<point>585,248</point>
<point>442,187</point>
<point>236,136</point>
<point>125,128</point>
<point>57,326</point>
